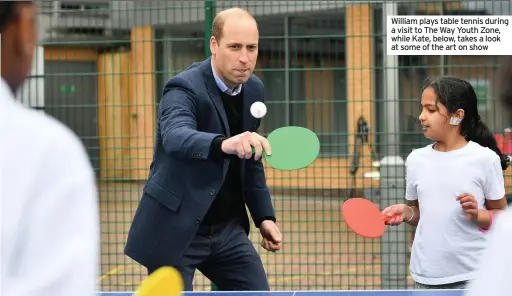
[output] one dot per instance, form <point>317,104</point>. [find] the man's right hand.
<point>242,144</point>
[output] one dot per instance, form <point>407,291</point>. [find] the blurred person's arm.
<point>59,237</point>
<point>492,276</point>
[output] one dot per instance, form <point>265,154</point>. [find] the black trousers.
<point>225,255</point>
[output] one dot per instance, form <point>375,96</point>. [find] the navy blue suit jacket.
<point>184,179</point>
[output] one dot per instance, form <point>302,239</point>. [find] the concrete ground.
<point>319,252</point>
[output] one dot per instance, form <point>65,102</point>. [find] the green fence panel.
<point>101,67</point>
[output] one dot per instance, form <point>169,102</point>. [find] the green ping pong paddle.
<point>165,281</point>
<point>293,148</point>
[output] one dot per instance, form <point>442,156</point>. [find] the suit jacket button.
<point>212,193</point>
<point>198,221</point>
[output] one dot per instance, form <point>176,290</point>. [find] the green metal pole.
<point>209,14</point>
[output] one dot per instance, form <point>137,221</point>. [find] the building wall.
<point>158,12</point>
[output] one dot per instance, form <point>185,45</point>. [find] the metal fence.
<point>102,64</point>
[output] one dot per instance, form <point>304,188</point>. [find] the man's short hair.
<point>220,19</point>
<point>8,11</point>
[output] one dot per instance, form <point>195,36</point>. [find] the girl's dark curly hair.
<point>456,93</point>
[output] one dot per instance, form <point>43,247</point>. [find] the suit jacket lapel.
<point>214,93</point>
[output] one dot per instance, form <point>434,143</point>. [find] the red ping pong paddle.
<point>364,218</point>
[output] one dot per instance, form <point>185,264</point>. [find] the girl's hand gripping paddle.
<point>364,218</point>
<point>165,281</point>
<point>293,148</point>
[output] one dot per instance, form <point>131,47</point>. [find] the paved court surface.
<point>319,252</point>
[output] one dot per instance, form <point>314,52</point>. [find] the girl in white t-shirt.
<point>456,187</point>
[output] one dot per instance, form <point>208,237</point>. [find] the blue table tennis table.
<point>316,293</point>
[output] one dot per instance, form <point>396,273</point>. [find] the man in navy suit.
<point>192,212</point>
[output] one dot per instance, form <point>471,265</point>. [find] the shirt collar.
<point>223,87</point>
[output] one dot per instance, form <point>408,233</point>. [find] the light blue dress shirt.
<point>223,87</point>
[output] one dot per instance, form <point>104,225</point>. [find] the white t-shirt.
<point>48,206</point>
<point>447,246</point>
<point>493,274</point>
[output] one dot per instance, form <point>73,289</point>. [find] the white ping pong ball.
<point>258,109</point>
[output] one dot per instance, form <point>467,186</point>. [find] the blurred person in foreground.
<point>192,214</point>
<point>492,276</point>
<point>48,197</point>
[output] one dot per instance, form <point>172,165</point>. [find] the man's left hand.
<point>271,234</point>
